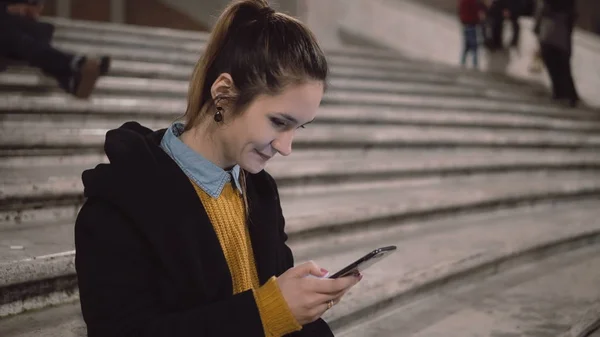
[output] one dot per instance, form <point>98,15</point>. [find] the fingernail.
<point>324,271</point>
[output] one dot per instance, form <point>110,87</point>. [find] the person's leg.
<point>465,49</point>
<point>570,91</point>
<point>41,31</point>
<point>471,42</point>
<point>463,57</point>
<point>536,61</point>
<point>22,47</point>
<point>550,61</point>
<point>516,31</point>
<point>75,74</point>
<point>497,30</point>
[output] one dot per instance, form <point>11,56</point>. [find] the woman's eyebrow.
<point>288,117</point>
<point>292,119</point>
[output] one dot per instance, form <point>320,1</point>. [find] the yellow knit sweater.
<point>227,215</point>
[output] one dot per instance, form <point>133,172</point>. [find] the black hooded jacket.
<point>148,260</point>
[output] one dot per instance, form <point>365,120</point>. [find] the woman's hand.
<point>308,297</point>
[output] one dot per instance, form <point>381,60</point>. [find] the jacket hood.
<point>134,156</point>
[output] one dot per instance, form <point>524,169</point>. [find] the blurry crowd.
<point>484,24</point>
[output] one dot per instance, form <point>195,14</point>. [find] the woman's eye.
<point>277,122</point>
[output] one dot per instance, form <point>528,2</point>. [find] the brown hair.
<point>264,51</point>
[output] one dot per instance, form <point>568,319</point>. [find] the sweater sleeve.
<point>318,328</point>
<point>277,319</point>
<point>120,288</point>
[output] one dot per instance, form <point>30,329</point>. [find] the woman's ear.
<point>223,87</point>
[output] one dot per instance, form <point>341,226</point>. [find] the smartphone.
<point>365,261</point>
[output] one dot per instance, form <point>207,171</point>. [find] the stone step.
<point>350,207</point>
<point>124,68</point>
<point>34,179</point>
<point>166,71</point>
<point>115,109</point>
<point>178,40</point>
<point>478,104</point>
<point>29,241</point>
<point>118,39</point>
<point>457,256</point>
<point>159,43</point>
<point>335,59</point>
<point>358,203</point>
<point>587,324</point>
<point>131,36</point>
<point>20,135</point>
<point>335,165</point>
<point>385,60</point>
<point>195,44</point>
<point>183,72</point>
<point>431,256</point>
<point>98,28</point>
<point>542,298</point>
<point>135,86</point>
<point>352,101</point>
<point>190,58</point>
<point>459,81</point>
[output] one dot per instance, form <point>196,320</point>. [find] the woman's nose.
<point>283,143</point>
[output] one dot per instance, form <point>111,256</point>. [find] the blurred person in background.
<point>471,13</point>
<point>497,12</point>
<point>513,10</point>
<point>24,38</point>
<point>554,24</point>
<point>536,64</point>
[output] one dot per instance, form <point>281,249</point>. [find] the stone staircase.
<point>490,193</point>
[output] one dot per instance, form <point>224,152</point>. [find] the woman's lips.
<point>262,155</point>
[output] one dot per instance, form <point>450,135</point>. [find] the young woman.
<point>182,234</point>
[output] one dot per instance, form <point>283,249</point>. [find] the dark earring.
<point>219,115</point>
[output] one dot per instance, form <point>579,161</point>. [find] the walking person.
<point>499,11</point>
<point>182,233</point>
<point>23,38</point>
<point>554,25</point>
<point>470,15</point>
<point>513,10</point>
<point>495,18</point>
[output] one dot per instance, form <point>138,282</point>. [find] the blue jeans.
<point>470,44</point>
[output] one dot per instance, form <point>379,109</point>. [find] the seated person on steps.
<point>23,38</point>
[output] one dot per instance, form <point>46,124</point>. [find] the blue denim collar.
<point>209,177</point>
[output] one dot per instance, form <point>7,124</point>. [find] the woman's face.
<point>268,125</point>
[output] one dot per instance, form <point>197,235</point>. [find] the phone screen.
<point>364,262</point>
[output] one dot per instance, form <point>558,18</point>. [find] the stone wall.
<point>177,14</point>
<point>137,12</point>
